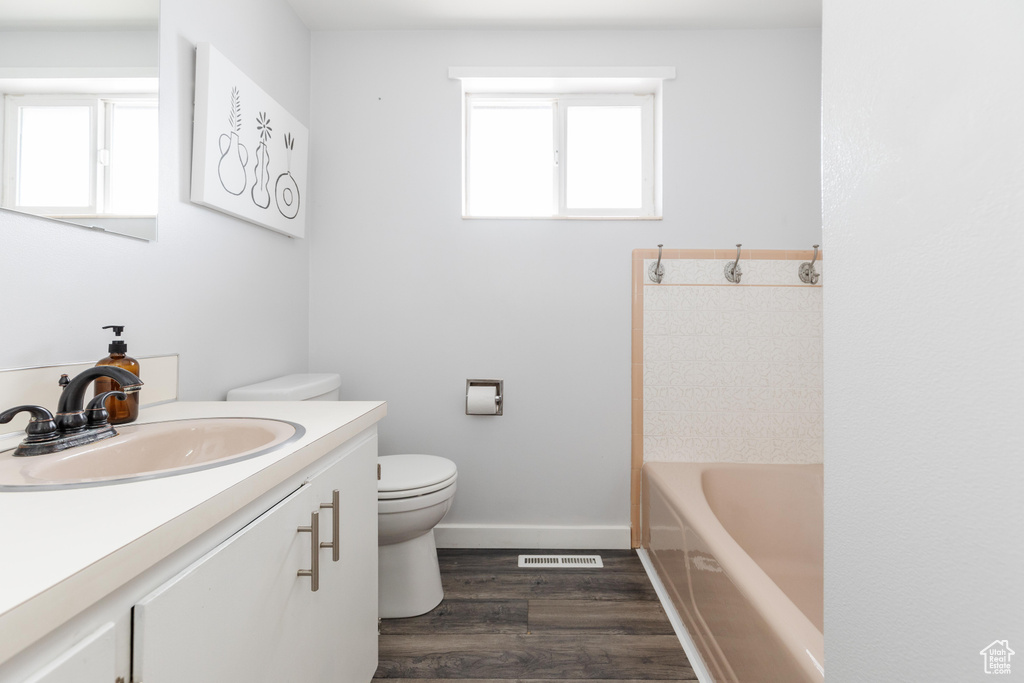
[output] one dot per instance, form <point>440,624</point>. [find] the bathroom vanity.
<point>205,576</point>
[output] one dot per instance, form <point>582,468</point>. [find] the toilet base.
<point>409,579</point>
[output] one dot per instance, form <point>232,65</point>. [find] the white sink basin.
<point>147,451</point>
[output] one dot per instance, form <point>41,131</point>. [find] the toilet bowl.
<point>413,494</point>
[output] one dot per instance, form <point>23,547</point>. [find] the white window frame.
<point>561,103</point>
<point>101,119</point>
<point>646,104</point>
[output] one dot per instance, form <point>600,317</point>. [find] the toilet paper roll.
<point>480,400</point>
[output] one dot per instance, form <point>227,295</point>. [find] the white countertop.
<point>62,551</point>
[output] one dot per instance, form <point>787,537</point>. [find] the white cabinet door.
<point>92,660</point>
<point>349,586</point>
<point>241,612</point>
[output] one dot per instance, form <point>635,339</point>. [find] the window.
<point>561,142</point>
<point>80,155</point>
<point>560,156</point>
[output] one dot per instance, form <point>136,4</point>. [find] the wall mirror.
<point>79,90</point>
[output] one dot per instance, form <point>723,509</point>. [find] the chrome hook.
<point>655,271</point>
<point>733,273</point>
<point>807,273</point>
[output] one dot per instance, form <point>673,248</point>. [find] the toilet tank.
<point>302,387</point>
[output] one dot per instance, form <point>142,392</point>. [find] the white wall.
<point>408,300</point>
<point>230,297</point>
<point>923,161</point>
<point>77,49</point>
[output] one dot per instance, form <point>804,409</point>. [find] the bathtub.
<point>740,550</point>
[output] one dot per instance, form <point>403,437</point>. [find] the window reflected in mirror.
<point>78,113</point>
<point>81,156</point>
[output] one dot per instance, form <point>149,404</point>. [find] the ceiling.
<point>71,14</point>
<point>447,14</point>
<point>556,14</point>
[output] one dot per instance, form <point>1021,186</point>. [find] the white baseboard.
<point>532,537</point>
<point>700,669</point>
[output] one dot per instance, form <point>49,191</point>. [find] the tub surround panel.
<point>727,372</point>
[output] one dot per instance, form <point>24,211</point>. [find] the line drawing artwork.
<point>250,160</point>
<point>261,169</point>
<point>286,190</point>
<point>233,154</point>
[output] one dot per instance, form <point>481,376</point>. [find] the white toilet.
<point>413,494</point>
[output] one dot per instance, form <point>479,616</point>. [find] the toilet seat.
<point>414,474</point>
<point>390,506</point>
<point>421,491</point>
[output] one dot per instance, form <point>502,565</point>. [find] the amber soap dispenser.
<point>128,409</point>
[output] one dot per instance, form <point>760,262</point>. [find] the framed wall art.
<point>249,155</point>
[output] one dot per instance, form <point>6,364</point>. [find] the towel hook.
<point>656,271</point>
<point>733,273</point>
<point>807,273</point>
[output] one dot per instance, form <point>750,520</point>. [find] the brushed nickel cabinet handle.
<point>314,533</point>
<point>334,543</point>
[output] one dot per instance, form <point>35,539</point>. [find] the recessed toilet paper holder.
<point>499,393</point>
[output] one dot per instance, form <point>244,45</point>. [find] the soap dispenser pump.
<point>120,411</point>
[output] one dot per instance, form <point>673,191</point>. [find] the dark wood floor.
<point>500,623</point>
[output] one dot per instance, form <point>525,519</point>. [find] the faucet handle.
<point>96,409</point>
<point>41,426</point>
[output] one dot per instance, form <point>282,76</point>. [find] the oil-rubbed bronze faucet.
<point>74,424</point>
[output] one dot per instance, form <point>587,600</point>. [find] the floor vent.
<point>561,561</point>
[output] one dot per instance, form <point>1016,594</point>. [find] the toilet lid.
<point>413,471</point>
